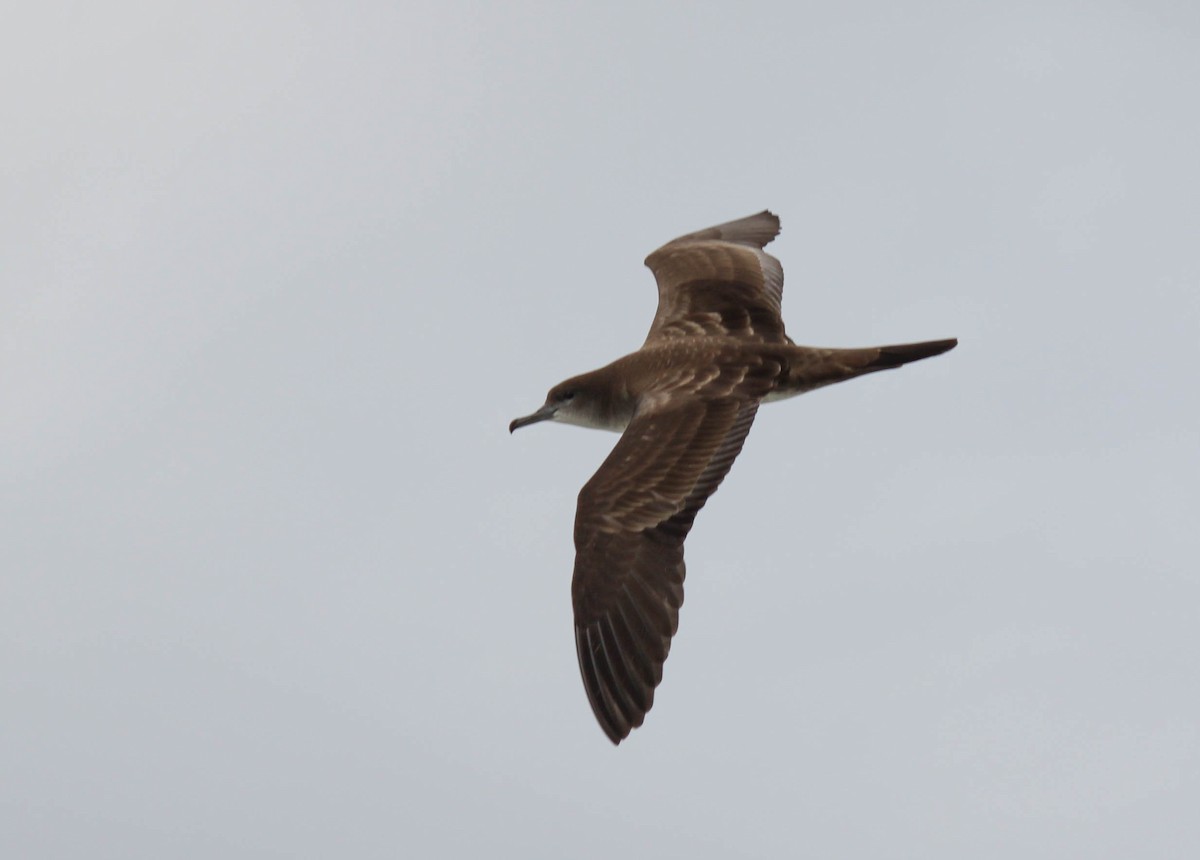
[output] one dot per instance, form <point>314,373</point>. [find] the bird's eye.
<point>565,396</point>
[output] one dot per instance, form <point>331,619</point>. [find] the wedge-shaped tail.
<point>894,356</point>
<point>812,367</point>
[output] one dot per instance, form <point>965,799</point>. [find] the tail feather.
<point>811,367</point>
<point>894,356</point>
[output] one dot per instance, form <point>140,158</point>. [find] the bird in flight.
<point>683,405</point>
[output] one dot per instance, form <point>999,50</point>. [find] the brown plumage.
<point>684,403</point>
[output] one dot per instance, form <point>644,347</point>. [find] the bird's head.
<point>580,400</point>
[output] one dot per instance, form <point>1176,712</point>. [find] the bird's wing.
<point>720,281</point>
<point>632,518</point>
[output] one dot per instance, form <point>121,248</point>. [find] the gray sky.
<point>278,583</point>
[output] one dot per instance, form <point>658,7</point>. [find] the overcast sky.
<point>277,582</point>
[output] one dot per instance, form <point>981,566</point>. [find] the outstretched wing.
<point>632,518</point>
<point>720,281</point>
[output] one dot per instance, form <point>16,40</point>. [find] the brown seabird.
<point>683,405</point>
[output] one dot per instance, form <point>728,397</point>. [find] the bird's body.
<point>683,403</point>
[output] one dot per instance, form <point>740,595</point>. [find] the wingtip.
<point>754,231</point>
<point>759,230</point>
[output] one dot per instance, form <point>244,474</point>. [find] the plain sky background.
<point>278,583</point>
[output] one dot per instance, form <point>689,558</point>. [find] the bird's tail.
<point>811,367</point>
<point>887,357</point>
